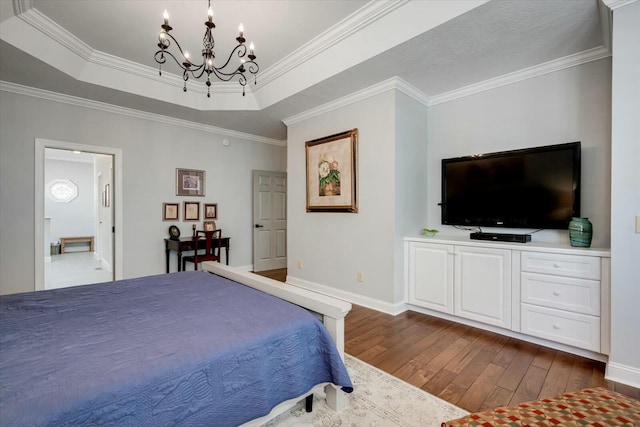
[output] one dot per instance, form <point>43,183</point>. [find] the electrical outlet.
<point>360,277</point>
<point>299,265</point>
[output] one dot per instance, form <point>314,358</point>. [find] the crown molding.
<point>390,84</point>
<point>129,112</point>
<point>615,4</point>
<point>524,74</point>
<point>404,87</point>
<point>353,23</point>
<point>21,6</point>
<point>51,29</point>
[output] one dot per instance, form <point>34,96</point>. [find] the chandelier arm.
<point>225,77</point>
<point>241,50</point>
<point>161,59</point>
<point>252,66</point>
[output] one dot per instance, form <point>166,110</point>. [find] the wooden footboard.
<point>332,310</point>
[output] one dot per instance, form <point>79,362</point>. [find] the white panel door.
<point>269,220</point>
<point>482,285</point>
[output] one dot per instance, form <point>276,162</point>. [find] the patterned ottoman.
<point>592,407</point>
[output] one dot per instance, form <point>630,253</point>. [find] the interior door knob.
<point>259,226</point>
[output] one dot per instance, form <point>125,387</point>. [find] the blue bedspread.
<point>186,348</point>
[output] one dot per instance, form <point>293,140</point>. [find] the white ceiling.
<point>310,52</point>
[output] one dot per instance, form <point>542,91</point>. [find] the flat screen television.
<point>528,188</point>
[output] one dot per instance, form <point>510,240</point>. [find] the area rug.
<point>592,407</point>
<point>378,399</point>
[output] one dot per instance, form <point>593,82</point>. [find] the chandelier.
<point>225,72</point>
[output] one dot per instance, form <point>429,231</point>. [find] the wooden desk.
<point>186,244</point>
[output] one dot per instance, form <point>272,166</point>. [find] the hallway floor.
<point>74,268</point>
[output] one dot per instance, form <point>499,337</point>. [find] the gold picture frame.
<point>208,226</point>
<point>332,173</point>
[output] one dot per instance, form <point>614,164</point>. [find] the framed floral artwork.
<point>191,211</point>
<point>332,170</point>
<point>190,182</point>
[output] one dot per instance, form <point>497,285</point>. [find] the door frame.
<point>40,145</point>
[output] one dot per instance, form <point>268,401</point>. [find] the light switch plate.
<point>637,223</point>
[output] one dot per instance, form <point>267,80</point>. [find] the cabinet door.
<point>483,285</point>
<point>431,276</point>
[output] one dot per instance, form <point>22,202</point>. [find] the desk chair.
<point>213,242</point>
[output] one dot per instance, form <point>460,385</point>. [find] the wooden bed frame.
<point>332,311</point>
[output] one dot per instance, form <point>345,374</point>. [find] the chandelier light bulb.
<point>210,14</point>
<point>186,55</point>
<point>165,15</point>
<point>251,48</point>
<point>241,29</point>
<point>162,35</point>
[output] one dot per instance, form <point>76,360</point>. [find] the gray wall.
<point>151,152</point>
<point>334,247</point>
<point>565,106</point>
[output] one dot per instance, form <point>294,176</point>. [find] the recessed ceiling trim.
<point>51,29</point>
<point>615,4</point>
<point>21,6</point>
<point>594,54</point>
<point>110,108</point>
<point>39,36</point>
<point>364,16</point>
<point>408,20</point>
<point>393,83</point>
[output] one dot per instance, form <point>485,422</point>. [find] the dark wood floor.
<point>471,368</point>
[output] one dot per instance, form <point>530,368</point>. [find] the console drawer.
<point>578,330</point>
<point>583,267</point>
<point>564,293</point>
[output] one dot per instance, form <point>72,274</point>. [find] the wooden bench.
<point>83,239</point>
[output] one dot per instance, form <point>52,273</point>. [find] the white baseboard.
<point>351,297</point>
<point>624,374</point>
<point>248,267</point>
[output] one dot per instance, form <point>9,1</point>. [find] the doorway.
<point>269,220</point>
<point>78,217</point>
<point>77,210</point>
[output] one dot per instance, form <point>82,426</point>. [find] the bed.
<point>188,348</point>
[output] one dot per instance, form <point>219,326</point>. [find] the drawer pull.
<point>556,293</point>
<point>556,326</point>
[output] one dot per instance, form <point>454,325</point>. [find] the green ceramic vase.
<point>580,232</point>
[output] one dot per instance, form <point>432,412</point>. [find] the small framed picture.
<point>209,226</point>
<point>170,211</point>
<point>190,182</point>
<point>191,211</point>
<point>210,211</point>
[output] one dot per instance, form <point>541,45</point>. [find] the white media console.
<point>550,294</point>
